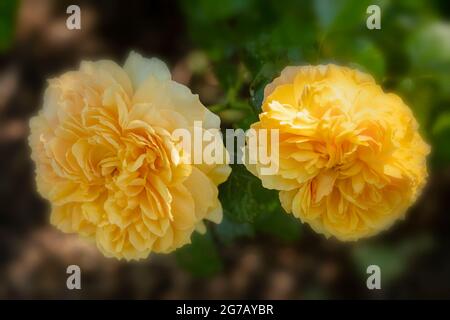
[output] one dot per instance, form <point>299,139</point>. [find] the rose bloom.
<point>107,162</point>
<point>351,160</point>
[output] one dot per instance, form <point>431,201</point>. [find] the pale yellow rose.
<point>351,160</point>
<point>107,162</point>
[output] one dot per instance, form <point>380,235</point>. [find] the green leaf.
<point>243,197</point>
<point>280,224</point>
<point>442,125</point>
<point>340,15</point>
<point>358,52</point>
<point>327,11</point>
<point>246,201</point>
<point>200,257</point>
<point>369,57</point>
<point>429,49</point>
<point>8,9</point>
<point>441,138</point>
<point>229,230</point>
<point>417,96</point>
<point>266,75</point>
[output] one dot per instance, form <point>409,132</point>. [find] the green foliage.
<point>264,76</point>
<point>279,224</point>
<point>8,10</point>
<point>428,49</point>
<point>248,43</point>
<point>409,55</point>
<point>393,259</point>
<point>228,230</point>
<point>441,134</point>
<point>200,257</point>
<point>243,197</point>
<point>245,201</point>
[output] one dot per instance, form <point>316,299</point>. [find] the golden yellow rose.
<point>106,160</point>
<point>351,160</point>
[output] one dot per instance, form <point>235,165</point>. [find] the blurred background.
<point>227,52</point>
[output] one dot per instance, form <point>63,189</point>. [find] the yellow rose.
<point>351,160</point>
<point>106,160</point>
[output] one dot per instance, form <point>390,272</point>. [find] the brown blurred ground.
<point>34,256</point>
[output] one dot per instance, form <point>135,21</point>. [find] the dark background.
<point>226,51</point>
